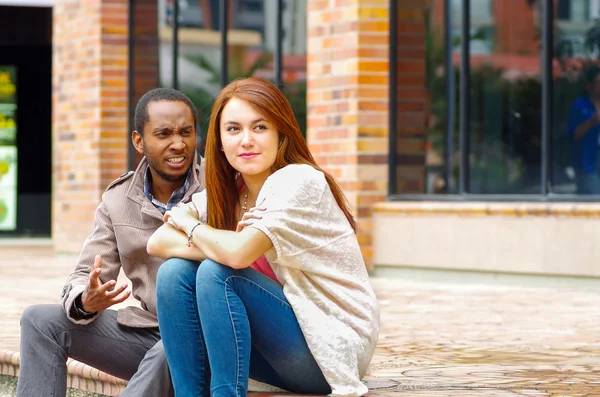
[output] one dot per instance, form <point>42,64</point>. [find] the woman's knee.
<point>173,273</point>
<point>210,270</point>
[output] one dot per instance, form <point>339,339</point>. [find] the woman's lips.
<point>248,156</point>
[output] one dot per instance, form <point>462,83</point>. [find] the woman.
<point>273,285</point>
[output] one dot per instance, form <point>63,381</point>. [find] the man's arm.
<point>101,242</point>
<point>585,127</point>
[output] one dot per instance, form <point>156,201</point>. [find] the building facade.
<point>446,122</point>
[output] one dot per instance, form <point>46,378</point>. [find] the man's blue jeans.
<point>220,326</point>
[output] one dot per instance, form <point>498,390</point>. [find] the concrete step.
<point>82,380</point>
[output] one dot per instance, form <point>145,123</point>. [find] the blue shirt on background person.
<point>583,127</point>
<point>585,149</point>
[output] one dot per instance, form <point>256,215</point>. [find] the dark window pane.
<point>505,97</point>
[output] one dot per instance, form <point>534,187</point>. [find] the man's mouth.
<point>176,160</point>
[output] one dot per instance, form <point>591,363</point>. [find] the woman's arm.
<point>234,249</point>
<point>168,242</point>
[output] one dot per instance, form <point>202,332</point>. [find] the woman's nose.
<point>247,138</point>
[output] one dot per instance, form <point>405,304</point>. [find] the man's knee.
<point>42,318</point>
<point>156,355</point>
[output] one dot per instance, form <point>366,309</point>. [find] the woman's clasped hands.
<point>248,216</point>
<point>182,216</point>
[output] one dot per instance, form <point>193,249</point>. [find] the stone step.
<point>82,380</point>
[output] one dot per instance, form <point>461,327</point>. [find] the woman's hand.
<point>247,218</point>
<point>181,215</point>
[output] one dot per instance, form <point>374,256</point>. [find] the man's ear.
<point>138,142</point>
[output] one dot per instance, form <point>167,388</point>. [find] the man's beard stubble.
<point>163,175</point>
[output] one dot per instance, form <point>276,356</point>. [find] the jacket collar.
<point>135,191</point>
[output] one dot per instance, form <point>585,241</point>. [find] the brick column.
<point>347,100</point>
<point>90,135</point>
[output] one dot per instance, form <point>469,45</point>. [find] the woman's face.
<point>249,140</point>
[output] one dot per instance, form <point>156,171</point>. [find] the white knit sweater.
<point>317,259</point>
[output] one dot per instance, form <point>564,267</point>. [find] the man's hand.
<point>98,296</point>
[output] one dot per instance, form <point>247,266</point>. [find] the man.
<point>124,343</point>
<point>583,127</point>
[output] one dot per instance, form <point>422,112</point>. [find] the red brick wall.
<point>347,79</point>
<point>89,121</point>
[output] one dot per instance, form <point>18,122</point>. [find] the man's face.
<point>169,139</point>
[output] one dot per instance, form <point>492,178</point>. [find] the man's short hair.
<point>158,95</point>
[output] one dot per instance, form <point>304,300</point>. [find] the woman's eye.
<point>261,127</point>
<point>230,129</point>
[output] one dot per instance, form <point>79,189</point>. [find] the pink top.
<point>261,264</point>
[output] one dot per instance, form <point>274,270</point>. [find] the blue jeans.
<point>220,326</point>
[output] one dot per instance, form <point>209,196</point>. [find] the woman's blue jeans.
<point>220,326</point>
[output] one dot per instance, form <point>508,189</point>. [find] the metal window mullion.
<point>223,27</point>
<point>450,96</point>
<point>393,93</point>
<point>465,99</point>
<point>547,54</point>
<point>278,55</point>
<point>175,47</point>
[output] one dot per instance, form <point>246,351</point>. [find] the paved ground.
<point>436,339</point>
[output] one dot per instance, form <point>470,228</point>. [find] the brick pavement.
<point>436,339</point>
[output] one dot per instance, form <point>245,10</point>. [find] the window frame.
<point>545,194</point>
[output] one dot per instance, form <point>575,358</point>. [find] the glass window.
<point>258,19</point>
<point>504,102</point>
<point>422,103</point>
<point>505,124</point>
<point>251,42</point>
<point>199,59</point>
<point>576,99</point>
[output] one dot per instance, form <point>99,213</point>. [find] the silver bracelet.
<point>190,234</point>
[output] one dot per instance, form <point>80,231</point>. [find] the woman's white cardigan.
<point>317,259</point>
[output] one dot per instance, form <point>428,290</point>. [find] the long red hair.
<point>221,183</point>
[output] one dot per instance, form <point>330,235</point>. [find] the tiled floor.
<point>436,339</point>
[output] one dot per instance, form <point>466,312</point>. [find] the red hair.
<point>221,183</point>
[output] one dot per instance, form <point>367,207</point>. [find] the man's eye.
<point>186,133</point>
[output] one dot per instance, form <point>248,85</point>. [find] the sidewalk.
<point>435,340</point>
